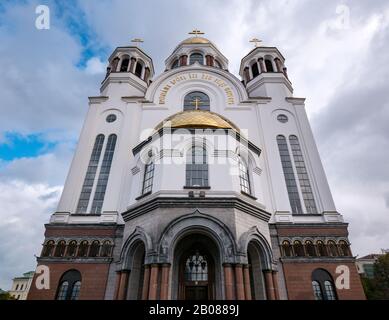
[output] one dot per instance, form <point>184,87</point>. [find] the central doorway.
<point>196,274</point>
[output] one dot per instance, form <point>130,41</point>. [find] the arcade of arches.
<point>196,272</point>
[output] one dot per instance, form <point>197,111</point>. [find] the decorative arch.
<point>126,255</point>
<point>253,235</point>
<point>200,223</point>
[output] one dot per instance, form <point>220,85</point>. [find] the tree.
<point>378,287</point>
<point>5,295</point>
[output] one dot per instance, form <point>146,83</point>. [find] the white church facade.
<point>196,184</point>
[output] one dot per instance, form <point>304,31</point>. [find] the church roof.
<point>197,119</point>
<point>196,40</point>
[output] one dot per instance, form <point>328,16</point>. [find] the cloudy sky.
<point>337,57</point>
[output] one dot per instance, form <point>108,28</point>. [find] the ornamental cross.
<point>137,41</point>
<point>256,42</point>
<point>196,32</point>
<point>196,102</point>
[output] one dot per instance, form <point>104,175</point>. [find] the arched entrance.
<point>136,271</point>
<point>256,267</point>
<point>196,260</point>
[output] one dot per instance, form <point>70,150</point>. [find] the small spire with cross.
<point>195,32</point>
<point>256,42</point>
<point>137,41</point>
<point>196,102</point>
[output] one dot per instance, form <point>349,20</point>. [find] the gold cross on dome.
<point>196,32</point>
<point>196,102</point>
<point>256,42</point>
<point>137,41</point>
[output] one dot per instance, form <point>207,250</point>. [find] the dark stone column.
<point>147,74</point>
<point>269,284</point>
<point>278,64</point>
<point>117,285</point>
<point>209,60</point>
<point>146,282</point>
<point>239,285</point>
<point>261,65</point>
<point>153,287</point>
<point>228,281</point>
<point>275,283</point>
<point>246,280</point>
<point>165,281</point>
<point>132,65</point>
<point>183,60</point>
<point>246,73</point>
<point>125,274</point>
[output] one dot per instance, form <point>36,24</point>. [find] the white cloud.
<point>24,209</point>
<point>95,66</point>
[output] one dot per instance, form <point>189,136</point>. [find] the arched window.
<point>106,249</point>
<point>244,177</point>
<point>83,249</point>
<point>323,285</point>
<point>290,180</point>
<point>148,177</point>
<point>104,175</point>
<point>344,249</point>
<point>63,290</point>
<point>269,65</point>
<point>94,249</point>
<point>255,70</point>
<point>298,249</point>
<point>302,174</point>
<point>72,249</point>
<point>197,167</point>
<point>196,57</point>
<point>48,249</point>
<point>60,249</point>
<point>333,250</point>
<point>218,64</point>
<point>83,202</point>
<point>287,249</point>
<point>196,267</point>
<point>317,290</point>
<point>322,249</point>
<point>310,249</point>
<point>124,65</point>
<point>175,64</point>
<point>196,101</point>
<point>138,69</point>
<point>69,286</point>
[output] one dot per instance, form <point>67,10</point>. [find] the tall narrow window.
<point>196,57</point>
<point>287,249</point>
<point>76,291</point>
<point>124,65</point>
<point>302,174</point>
<point>244,177</point>
<point>83,202</point>
<point>63,290</point>
<point>269,65</point>
<point>94,249</point>
<point>344,249</point>
<point>175,64</point>
<point>196,101</point>
<point>104,174</point>
<point>317,290</point>
<point>60,249</point>
<point>290,180</point>
<point>298,249</point>
<point>106,249</point>
<point>148,177</point>
<point>83,249</point>
<point>72,249</point>
<point>197,167</point>
<point>310,249</point>
<point>138,69</point>
<point>254,70</point>
<point>333,250</point>
<point>322,249</point>
<point>329,289</point>
<point>48,248</point>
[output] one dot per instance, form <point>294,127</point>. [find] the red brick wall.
<point>93,283</point>
<point>298,280</point>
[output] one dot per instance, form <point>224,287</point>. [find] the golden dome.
<point>197,119</point>
<point>196,40</point>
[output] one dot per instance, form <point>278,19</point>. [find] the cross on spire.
<point>137,41</point>
<point>256,42</point>
<point>196,102</point>
<point>196,32</point>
